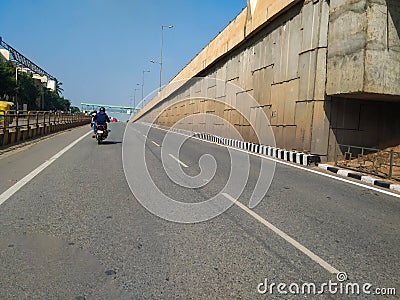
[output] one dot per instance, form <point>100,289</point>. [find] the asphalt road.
<point>76,231</point>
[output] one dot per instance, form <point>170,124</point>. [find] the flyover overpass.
<point>326,74</point>
<point>109,107</point>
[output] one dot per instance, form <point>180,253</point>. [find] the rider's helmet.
<point>102,109</point>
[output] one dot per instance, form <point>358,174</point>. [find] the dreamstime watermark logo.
<point>201,105</point>
<point>341,287</point>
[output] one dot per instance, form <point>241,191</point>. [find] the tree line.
<point>24,90</point>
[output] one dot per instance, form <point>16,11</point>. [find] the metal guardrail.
<point>13,120</point>
<point>382,163</point>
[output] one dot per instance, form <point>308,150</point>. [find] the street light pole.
<point>134,98</point>
<point>161,51</point>
<point>144,71</point>
<point>16,93</point>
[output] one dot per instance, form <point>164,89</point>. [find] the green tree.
<point>64,104</point>
<point>54,102</point>
<point>75,109</point>
<point>27,91</point>
<point>59,89</point>
<point>7,80</point>
<point>50,99</point>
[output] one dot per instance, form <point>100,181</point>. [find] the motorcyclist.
<point>100,118</point>
<point>92,114</point>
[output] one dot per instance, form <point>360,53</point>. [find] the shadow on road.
<point>110,142</point>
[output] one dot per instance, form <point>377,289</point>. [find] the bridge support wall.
<point>323,72</point>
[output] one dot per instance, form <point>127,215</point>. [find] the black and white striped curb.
<point>291,156</point>
<point>365,178</point>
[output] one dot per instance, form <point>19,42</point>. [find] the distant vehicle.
<point>113,120</point>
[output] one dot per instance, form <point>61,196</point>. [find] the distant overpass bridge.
<point>109,108</point>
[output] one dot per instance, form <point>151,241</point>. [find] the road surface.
<point>75,230</point>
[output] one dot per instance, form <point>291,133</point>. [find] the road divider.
<point>235,144</point>
<point>301,158</point>
<point>20,126</point>
<point>365,178</point>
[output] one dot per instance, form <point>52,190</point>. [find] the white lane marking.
<point>297,166</point>
<point>155,143</point>
<point>181,163</point>
<point>12,190</point>
<point>283,235</point>
<point>144,136</point>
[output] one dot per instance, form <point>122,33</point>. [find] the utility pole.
<point>161,51</point>
<point>134,97</point>
<point>144,71</point>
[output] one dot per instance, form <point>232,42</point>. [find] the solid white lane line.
<point>155,143</point>
<point>12,190</point>
<point>373,188</point>
<point>181,163</point>
<point>283,235</point>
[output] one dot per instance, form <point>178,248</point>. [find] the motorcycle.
<point>101,133</point>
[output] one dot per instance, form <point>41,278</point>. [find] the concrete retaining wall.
<point>314,69</point>
<point>364,49</point>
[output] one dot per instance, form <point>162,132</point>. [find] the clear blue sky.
<point>98,48</point>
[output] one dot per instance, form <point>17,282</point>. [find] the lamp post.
<point>134,98</point>
<point>16,93</point>
<point>161,51</point>
<point>17,68</point>
<point>144,71</point>
<point>153,61</point>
